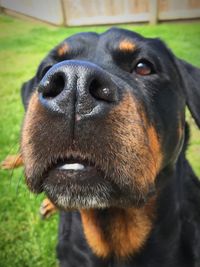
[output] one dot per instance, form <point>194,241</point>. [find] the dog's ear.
<point>191,79</point>
<point>27,89</point>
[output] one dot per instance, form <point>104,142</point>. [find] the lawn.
<point>26,240</point>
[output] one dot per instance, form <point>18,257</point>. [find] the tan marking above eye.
<point>127,46</point>
<point>63,49</point>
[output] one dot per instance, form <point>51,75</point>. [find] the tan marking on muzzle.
<point>31,123</point>
<point>138,146</point>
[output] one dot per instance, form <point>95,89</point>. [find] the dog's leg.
<point>47,209</point>
<point>12,162</point>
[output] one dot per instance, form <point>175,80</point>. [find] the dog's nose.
<point>77,87</point>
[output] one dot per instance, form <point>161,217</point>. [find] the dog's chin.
<point>73,184</point>
<point>76,186</point>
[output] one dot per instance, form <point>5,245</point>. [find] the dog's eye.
<point>144,68</point>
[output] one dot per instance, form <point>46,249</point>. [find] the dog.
<point>105,137</point>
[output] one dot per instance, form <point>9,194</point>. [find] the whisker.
<point>18,183</point>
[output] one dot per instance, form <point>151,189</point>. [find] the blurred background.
<point>28,30</point>
<point>90,12</point>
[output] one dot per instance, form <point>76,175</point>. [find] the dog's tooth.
<point>72,166</point>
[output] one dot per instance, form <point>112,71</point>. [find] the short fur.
<point>120,111</point>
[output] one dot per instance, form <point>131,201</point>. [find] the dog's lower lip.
<point>75,170</point>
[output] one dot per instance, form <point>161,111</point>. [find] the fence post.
<point>153,18</point>
<point>64,12</point>
<point>1,8</point>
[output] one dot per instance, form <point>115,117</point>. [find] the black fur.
<point>175,238</point>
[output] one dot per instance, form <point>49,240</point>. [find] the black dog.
<point>104,137</point>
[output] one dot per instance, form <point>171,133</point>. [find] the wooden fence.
<point>91,12</point>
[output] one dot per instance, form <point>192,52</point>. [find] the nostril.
<point>53,86</point>
<point>101,92</point>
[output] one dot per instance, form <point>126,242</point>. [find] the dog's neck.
<point>118,232</point>
<point>124,232</point>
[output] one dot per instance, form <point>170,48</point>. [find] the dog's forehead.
<point>119,34</point>
<point>111,36</point>
<point>113,39</point>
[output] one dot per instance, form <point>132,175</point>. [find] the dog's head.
<point>105,115</point>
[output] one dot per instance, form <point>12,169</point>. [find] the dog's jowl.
<point>104,136</point>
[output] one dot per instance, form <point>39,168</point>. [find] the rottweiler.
<point>105,137</point>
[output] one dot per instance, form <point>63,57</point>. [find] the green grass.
<point>25,240</point>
